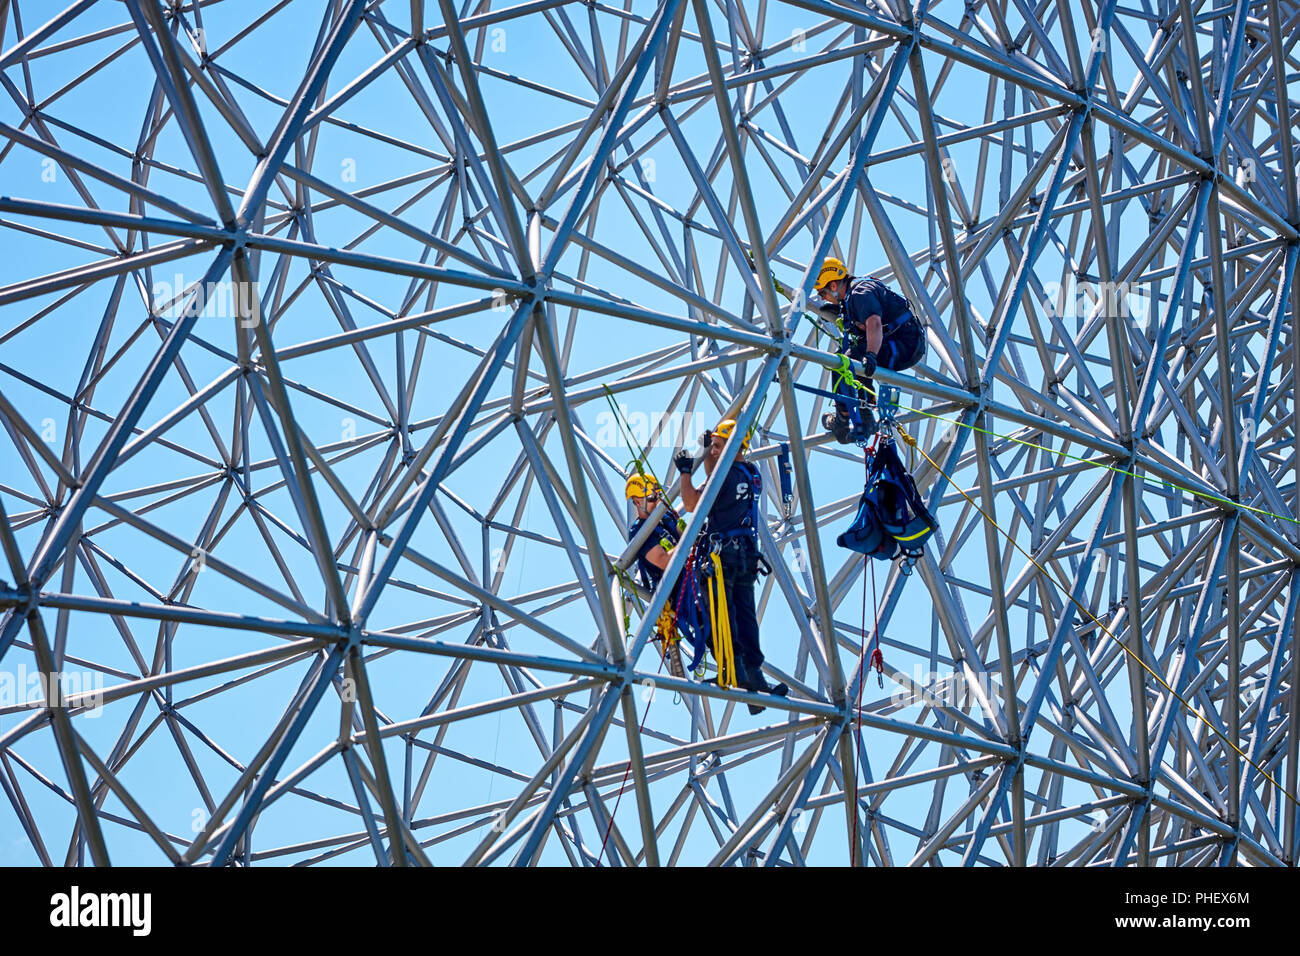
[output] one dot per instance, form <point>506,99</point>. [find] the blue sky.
<point>54,351</point>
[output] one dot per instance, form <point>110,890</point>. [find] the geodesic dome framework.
<point>325,343</point>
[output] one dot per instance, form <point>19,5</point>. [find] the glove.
<point>869,364</point>
<point>684,461</point>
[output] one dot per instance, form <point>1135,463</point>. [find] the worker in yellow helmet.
<point>732,528</point>
<point>679,618</point>
<point>879,330</point>
<point>644,493</point>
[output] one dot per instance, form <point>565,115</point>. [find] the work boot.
<point>839,426</point>
<point>776,690</point>
<point>756,683</point>
<point>752,682</point>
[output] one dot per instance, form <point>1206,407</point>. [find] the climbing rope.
<point>1100,463</point>
<point>877,657</point>
<point>1104,629</point>
<point>838,372</point>
<point>843,374</point>
<point>865,664</point>
<point>783,290</point>
<point>622,787</point>
<point>641,463</point>
<point>688,596</point>
<point>723,652</point>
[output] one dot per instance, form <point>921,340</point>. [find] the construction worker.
<point>644,492</point>
<point>652,559</point>
<point>879,330</point>
<point>731,531</point>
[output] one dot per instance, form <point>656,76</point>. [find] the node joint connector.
<point>354,637</point>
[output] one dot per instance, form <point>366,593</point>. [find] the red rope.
<point>877,661</point>
<point>877,658</point>
<point>626,773</point>
<point>862,674</point>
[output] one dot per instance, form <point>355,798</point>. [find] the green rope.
<point>642,462</point>
<point>1099,463</point>
<point>844,374</point>
<point>784,290</point>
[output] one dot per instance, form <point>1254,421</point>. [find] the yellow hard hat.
<point>726,427</point>
<point>832,269</point>
<point>641,486</point>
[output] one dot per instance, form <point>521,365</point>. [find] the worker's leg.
<point>852,420</point>
<point>744,634</point>
<point>740,571</point>
<point>741,568</point>
<point>744,640</point>
<point>903,347</point>
<point>849,394</point>
<point>837,422</point>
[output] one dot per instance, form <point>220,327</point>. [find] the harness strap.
<point>749,527</point>
<point>688,607</point>
<point>783,471</point>
<point>755,479</point>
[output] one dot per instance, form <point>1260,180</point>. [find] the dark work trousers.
<point>903,347</point>
<point>744,622</point>
<point>900,350</point>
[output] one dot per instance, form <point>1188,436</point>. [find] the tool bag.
<point>892,520</point>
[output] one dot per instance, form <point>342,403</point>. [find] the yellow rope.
<point>723,652</point>
<point>666,626</point>
<point>902,433</point>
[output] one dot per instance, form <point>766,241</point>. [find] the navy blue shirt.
<point>650,575</point>
<point>869,296</point>
<point>736,505</point>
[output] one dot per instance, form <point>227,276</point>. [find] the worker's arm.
<point>863,309</point>
<point>658,556</point>
<point>874,334</point>
<point>690,494</point>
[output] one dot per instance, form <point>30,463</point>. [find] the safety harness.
<point>688,614</point>
<point>748,526</point>
<point>715,627</point>
<point>892,519</point>
<point>667,633</point>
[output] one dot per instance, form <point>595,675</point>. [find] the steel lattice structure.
<point>310,325</point>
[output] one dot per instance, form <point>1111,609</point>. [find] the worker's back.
<point>735,510</point>
<point>869,296</point>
